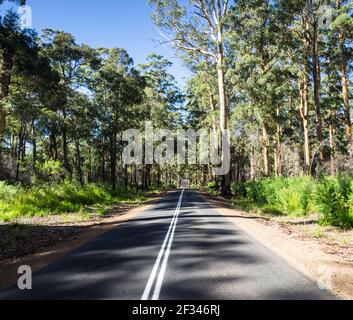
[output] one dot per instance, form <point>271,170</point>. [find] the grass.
<point>44,200</point>
<point>318,232</point>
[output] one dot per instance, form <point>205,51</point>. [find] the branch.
<point>194,49</point>
<point>204,14</point>
<point>225,9</point>
<point>185,45</point>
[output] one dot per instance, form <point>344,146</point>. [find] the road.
<point>179,249</point>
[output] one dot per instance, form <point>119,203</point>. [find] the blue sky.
<point>107,23</point>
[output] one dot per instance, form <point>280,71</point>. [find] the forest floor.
<point>37,241</point>
<point>324,254</point>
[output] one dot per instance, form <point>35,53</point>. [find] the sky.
<point>107,23</point>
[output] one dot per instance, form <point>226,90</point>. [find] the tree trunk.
<point>213,110</point>
<point>304,113</point>
<point>53,146</point>
<point>79,162</point>
<point>65,148</point>
<point>2,123</point>
<point>317,98</point>
<point>225,188</point>
<point>304,98</point>
<point>266,148</point>
<point>126,177</point>
<point>344,79</point>
<point>34,152</point>
<point>5,79</point>
<point>252,166</point>
<point>103,159</point>
<point>277,153</point>
<point>19,152</point>
<point>332,145</point>
<point>331,93</point>
<point>113,160</point>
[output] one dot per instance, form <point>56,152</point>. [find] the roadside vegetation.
<point>329,196</point>
<point>66,197</point>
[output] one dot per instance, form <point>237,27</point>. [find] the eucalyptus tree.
<point>68,58</point>
<point>162,95</point>
<point>198,29</point>
<point>162,101</point>
<point>17,47</point>
<point>118,91</point>
<point>27,99</point>
<point>256,33</point>
<point>342,28</point>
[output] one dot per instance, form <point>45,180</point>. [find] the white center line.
<point>165,251</point>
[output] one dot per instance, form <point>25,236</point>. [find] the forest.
<point>276,73</point>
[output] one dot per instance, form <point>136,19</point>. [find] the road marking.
<point>164,252</point>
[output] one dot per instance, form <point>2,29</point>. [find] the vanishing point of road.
<point>180,248</point>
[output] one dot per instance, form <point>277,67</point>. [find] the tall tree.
<point>198,29</point>
<point>68,59</point>
<point>343,25</point>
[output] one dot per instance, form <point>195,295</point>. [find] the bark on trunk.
<point>113,160</point>
<point>213,110</point>
<point>65,146</point>
<point>277,153</point>
<point>344,79</point>
<point>79,162</point>
<point>266,148</point>
<point>252,166</point>
<point>332,145</point>
<point>304,113</point>
<point>5,79</point>
<point>34,151</point>
<point>225,188</point>
<point>317,98</point>
<point>304,99</point>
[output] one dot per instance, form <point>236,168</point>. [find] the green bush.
<point>7,192</point>
<point>292,196</point>
<point>282,195</point>
<point>213,189</point>
<point>67,197</point>
<point>330,196</point>
<point>212,186</point>
<point>239,189</point>
<point>333,198</point>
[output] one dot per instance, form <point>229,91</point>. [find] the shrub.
<point>279,195</point>
<point>239,189</point>
<point>213,189</point>
<point>7,192</point>
<point>334,198</point>
<point>212,186</point>
<point>67,197</point>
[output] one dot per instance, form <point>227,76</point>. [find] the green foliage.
<point>7,192</point>
<point>330,196</point>
<point>288,196</point>
<point>50,170</point>
<point>333,198</point>
<point>66,197</point>
<point>238,189</point>
<point>213,189</point>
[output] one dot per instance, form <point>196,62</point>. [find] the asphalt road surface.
<point>179,249</point>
